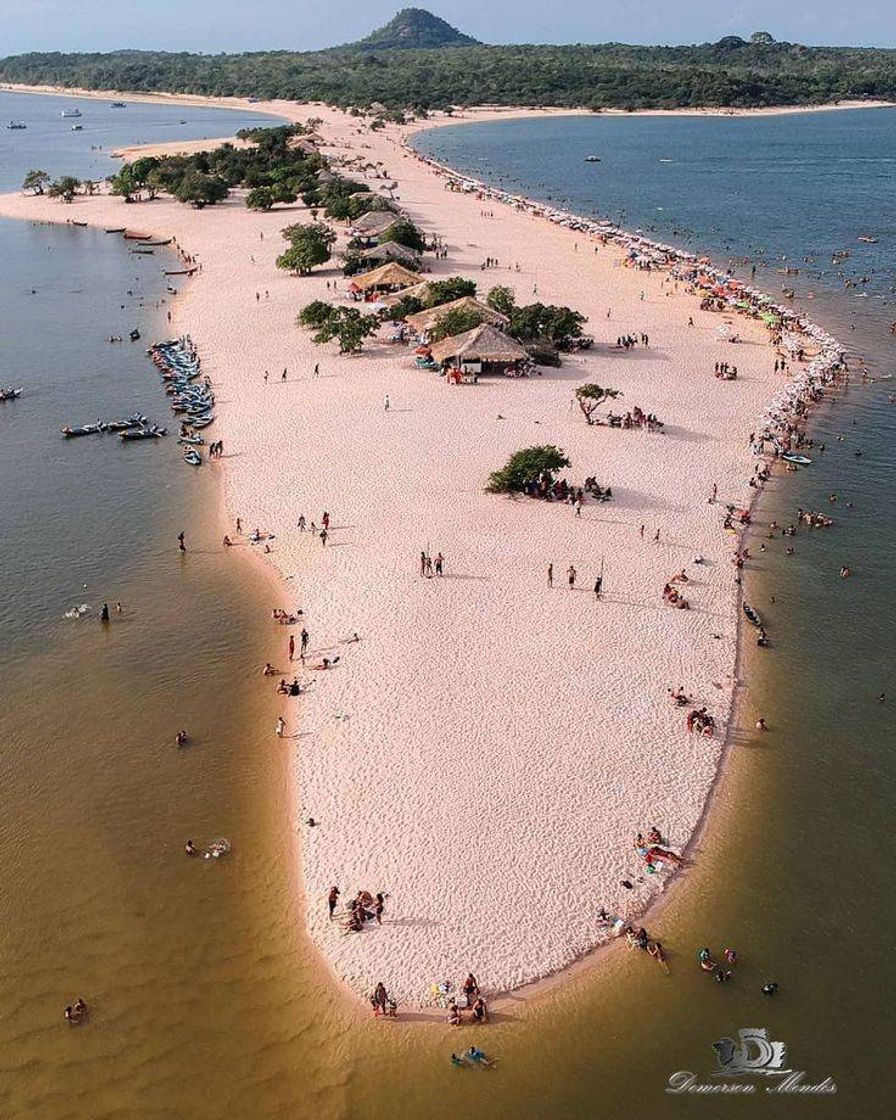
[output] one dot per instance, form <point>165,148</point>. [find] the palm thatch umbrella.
<point>423,321</point>
<point>391,275</point>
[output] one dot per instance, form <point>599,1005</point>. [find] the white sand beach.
<point>488,750</point>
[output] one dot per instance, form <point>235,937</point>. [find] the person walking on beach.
<point>325,521</point>
<point>283,376</point>
<point>427,568</point>
<point>386,403</point>
<point>304,636</point>
<point>550,575</point>
<point>323,536</point>
<point>422,563</point>
<point>656,537</point>
<point>332,899</point>
<point>598,584</point>
<point>317,369</point>
<point>571,576</point>
<point>302,523</point>
<point>642,532</point>
<point>239,525</point>
<point>440,560</point>
<point>281,726</point>
<point>181,544</point>
<point>714,495</point>
<point>292,646</point>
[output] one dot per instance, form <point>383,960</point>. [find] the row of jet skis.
<point>191,394</point>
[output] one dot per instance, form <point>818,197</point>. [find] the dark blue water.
<point>794,186</point>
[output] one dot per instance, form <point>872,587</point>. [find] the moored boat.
<point>10,394</point>
<point>753,615</point>
<point>793,457</point>
<point>153,431</point>
<point>16,125</point>
<point>192,456</point>
<point>71,432</point>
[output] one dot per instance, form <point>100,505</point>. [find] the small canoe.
<point>144,252</point>
<point>120,229</point>
<point>74,223</point>
<point>180,271</point>
<point>167,241</point>
<point>137,236</point>
<point>83,430</point>
<point>753,616</point>
<point>192,456</point>
<point>792,457</point>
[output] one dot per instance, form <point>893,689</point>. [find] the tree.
<point>309,246</point>
<point>407,305</point>
<point>762,38</point>
<point>350,327</point>
<point>538,321</point>
<point>403,232</point>
<point>35,181</point>
<point>446,291</point>
<point>527,467</point>
<point>260,198</point>
<point>455,321</point>
<point>64,188</point>
<point>591,397</point>
<point>315,314</point>
<point>501,299</point>
<point>201,190</point>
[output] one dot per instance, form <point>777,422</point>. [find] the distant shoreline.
<point>473,112</point>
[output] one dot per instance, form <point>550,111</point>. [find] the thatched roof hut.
<point>425,320</point>
<point>485,344</point>
<point>392,251</point>
<point>374,222</point>
<point>391,275</point>
<point>418,291</point>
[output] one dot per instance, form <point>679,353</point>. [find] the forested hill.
<point>731,72</point>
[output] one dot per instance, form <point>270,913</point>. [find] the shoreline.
<point>551,976</point>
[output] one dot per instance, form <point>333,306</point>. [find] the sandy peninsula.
<point>488,750</point>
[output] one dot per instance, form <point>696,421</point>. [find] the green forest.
<point>731,73</point>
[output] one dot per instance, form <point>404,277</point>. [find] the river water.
<point>207,998</point>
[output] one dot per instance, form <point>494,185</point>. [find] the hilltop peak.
<point>415,28</point>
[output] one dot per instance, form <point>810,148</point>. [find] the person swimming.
<point>479,1058</point>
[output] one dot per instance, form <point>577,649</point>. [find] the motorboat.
<point>81,430</point>
<point>10,394</point>
<point>195,439</point>
<point>118,105</point>
<point>592,159</point>
<point>71,113</point>
<point>793,457</point>
<point>77,128</point>
<point>192,457</point>
<point>151,432</point>
<point>17,125</point>
<point>867,239</point>
<point>137,420</point>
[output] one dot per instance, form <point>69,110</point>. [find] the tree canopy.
<point>527,467</point>
<point>591,397</point>
<point>349,326</point>
<point>35,181</point>
<point>309,246</point>
<point>731,72</point>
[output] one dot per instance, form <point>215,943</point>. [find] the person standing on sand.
<point>283,376</point>
<point>181,542</point>
<point>386,403</point>
<point>571,576</point>
<point>550,575</point>
<point>598,584</point>
<point>301,523</point>
<point>325,521</point>
<point>239,525</point>
<point>656,537</point>
<point>332,899</point>
<point>440,560</point>
<point>304,637</point>
<point>317,369</point>
<point>323,536</point>
<point>422,563</point>
<point>292,646</point>
<point>281,726</point>
<point>577,506</point>
<point>642,532</point>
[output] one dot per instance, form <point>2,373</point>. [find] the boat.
<point>74,223</point>
<point>202,421</point>
<point>180,271</point>
<point>134,335</point>
<point>120,229</point>
<point>867,239</point>
<point>592,159</point>
<point>146,244</point>
<point>143,252</point>
<point>137,420</point>
<point>10,394</point>
<point>17,125</point>
<point>793,457</point>
<point>196,439</point>
<point>71,113</point>
<point>118,105</point>
<point>753,616</point>
<point>81,430</point>
<point>192,456</point>
<point>153,431</point>
<point>128,236</point>
<point>77,128</point>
